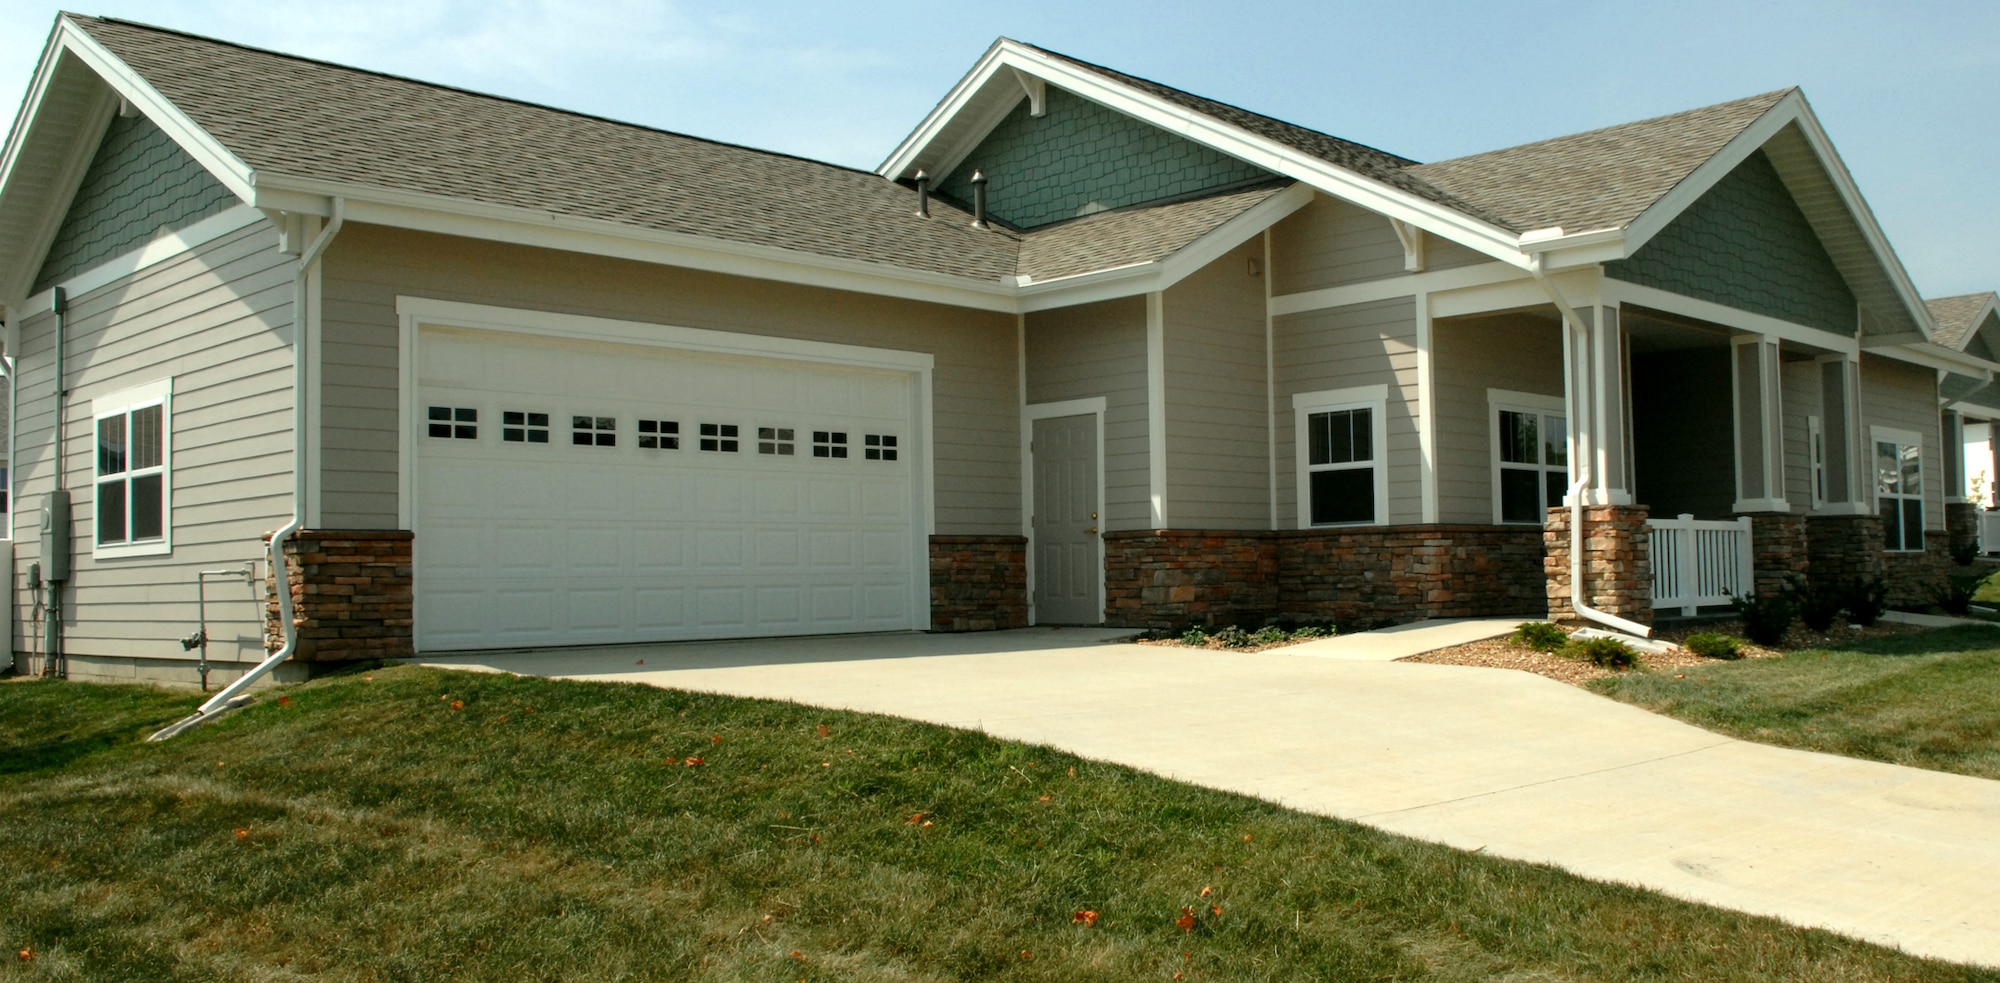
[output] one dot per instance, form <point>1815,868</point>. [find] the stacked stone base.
<point>1617,562</point>
<point>351,596</point>
<point>979,583</point>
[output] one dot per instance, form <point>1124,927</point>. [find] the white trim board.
<point>1373,398</point>
<point>1030,412</point>
<point>1156,406</point>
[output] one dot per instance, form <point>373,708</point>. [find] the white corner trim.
<point>1427,462</point>
<point>152,254</point>
<point>1156,406</point>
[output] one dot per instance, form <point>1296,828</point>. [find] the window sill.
<point>122,550</point>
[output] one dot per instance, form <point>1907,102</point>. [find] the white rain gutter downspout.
<point>8,368</point>
<point>280,573</point>
<point>1571,325</point>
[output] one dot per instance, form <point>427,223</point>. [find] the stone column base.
<point>1780,543</point>
<point>1961,529</point>
<point>1618,567</point>
<point>979,583</point>
<point>351,595</point>
<point>1843,549</point>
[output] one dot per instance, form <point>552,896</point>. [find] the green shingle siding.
<point>1746,244</point>
<point>1080,158</point>
<point>139,186</point>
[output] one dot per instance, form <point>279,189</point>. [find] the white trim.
<point>1427,462</point>
<point>1623,292</point>
<point>1541,407</point>
<point>1156,406</point>
<point>1934,357</point>
<point>1373,398</point>
<point>151,254</point>
<point>1390,288</point>
<point>1815,462</point>
<point>1094,406</point>
<point>1270,381</point>
<point>89,136</point>
<point>315,394</point>
<point>161,394</point>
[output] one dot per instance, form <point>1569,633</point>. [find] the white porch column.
<point>1847,452</point>
<point>1597,404</point>
<point>1760,433</point>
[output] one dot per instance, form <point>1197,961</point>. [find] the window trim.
<point>1519,402</point>
<point>122,402</point>
<point>1816,462</point>
<point>1373,398</point>
<point>1901,437</point>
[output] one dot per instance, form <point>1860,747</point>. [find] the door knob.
<point>1092,529</point>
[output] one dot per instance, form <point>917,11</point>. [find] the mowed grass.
<point>1929,699</point>
<point>419,825</point>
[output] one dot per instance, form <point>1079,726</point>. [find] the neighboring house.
<point>1085,349</point>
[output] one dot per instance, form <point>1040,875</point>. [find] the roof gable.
<point>1078,158</point>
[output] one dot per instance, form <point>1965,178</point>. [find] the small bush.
<point>1714,645</point>
<point>1270,635</point>
<point>1540,636</point>
<point>1954,594</point>
<point>1601,651</point>
<point>1311,631</point>
<point>1865,600</point>
<point>1233,637</point>
<point>1818,603</point>
<point>1765,619</point>
<point>1196,635</point>
<point>1963,553</point>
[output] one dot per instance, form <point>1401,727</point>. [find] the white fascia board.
<point>1620,291</point>
<point>234,174</point>
<point>31,106</point>
<point>1935,357</point>
<point>56,208</point>
<point>1579,249</point>
<point>1088,288</point>
<point>1389,288</point>
<point>597,237</point>
<point>1215,134</point>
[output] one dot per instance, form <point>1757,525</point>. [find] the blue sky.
<point>1910,92</point>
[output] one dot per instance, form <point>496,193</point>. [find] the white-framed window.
<point>134,491</point>
<point>1899,487</point>
<point>1816,461</point>
<point>1530,454</point>
<point>1340,443</point>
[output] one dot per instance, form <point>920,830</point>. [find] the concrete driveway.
<point>1521,766</point>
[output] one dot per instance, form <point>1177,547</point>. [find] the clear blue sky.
<point>1910,92</point>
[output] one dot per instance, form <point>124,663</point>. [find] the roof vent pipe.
<point>979,198</point>
<point>923,195</point>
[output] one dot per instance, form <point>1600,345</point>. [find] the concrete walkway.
<point>1518,765</point>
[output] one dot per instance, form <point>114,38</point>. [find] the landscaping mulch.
<point>1498,653</point>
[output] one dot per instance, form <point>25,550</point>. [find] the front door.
<point>1065,524</point>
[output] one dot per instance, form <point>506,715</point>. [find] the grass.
<point>416,825</point>
<point>1929,699</point>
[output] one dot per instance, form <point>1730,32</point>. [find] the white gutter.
<point>281,578</point>
<point>1571,325</point>
<point>7,368</point>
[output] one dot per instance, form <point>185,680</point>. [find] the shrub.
<point>1196,635</point>
<point>1312,631</point>
<point>1865,600</point>
<point>1963,553</point>
<point>1765,619</point>
<point>1233,637</point>
<point>1954,594</point>
<point>1818,603</point>
<point>1714,645</point>
<point>1601,651</point>
<point>1270,635</point>
<point>1540,636</point>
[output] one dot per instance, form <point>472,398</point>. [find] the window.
<point>454,422</point>
<point>879,446</point>
<point>593,431</point>
<point>134,493</point>
<point>719,437</point>
<point>774,440</point>
<point>1899,489</point>
<point>523,427</point>
<point>1340,440</point>
<point>660,435</point>
<point>1530,456</point>
<point>829,443</point>
<point>1816,461</point>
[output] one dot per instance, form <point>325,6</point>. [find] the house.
<point>1084,349</point>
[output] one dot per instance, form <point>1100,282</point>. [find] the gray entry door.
<point>1067,570</point>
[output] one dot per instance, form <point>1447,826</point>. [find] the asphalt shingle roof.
<point>1599,179</point>
<point>1955,317</point>
<point>1131,235</point>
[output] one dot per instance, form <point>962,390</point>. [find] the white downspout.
<point>1572,323</point>
<point>281,578</point>
<point>7,366</point>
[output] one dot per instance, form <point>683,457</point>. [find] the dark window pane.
<point>1892,524</point>
<point>649,426</point>
<point>515,417</point>
<point>538,419</point>
<point>1558,487</point>
<point>889,454</point>
<point>465,414</point>
<point>1520,495</point>
<point>147,444</point>
<point>579,423</point>
<point>463,432</point>
<point>1518,439</point>
<point>607,423</point>
<point>1913,525</point>
<point>1362,429</point>
<point>580,437</point>
<point>1888,470</point>
<point>148,512</point>
<point>440,430</point>
<point>111,512</point>
<point>1317,442</point>
<point>111,445</point>
<point>441,413</point>
<point>649,443</point>
<point>888,440</point>
<point>538,436</point>
<point>1343,496</point>
<point>670,426</point>
<point>1555,444</point>
<point>514,435</point>
<point>710,429</point>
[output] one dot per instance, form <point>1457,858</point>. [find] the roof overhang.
<point>995,86</point>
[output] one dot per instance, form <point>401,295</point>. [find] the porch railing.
<point>1698,562</point>
<point>1989,532</point>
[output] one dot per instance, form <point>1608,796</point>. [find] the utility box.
<point>55,537</point>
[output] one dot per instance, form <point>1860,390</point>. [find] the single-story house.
<point>1084,349</point>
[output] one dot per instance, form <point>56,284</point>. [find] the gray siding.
<point>1800,398</point>
<point>975,390</point>
<point>1218,437</point>
<point>1100,350</point>
<point>217,321</point>
<point>141,185</point>
<point>1904,397</point>
<point>1331,242</point>
<point>1515,352</point>
<point>1359,345</point>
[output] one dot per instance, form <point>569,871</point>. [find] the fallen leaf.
<point>458,704</point>
<point>673,761</point>
<point>913,820</point>
<point>242,834</point>
<point>1246,837</point>
<point>926,824</point>
<point>695,762</point>
<point>826,764</point>
<point>284,701</point>
<point>26,955</point>
<point>796,954</point>
<point>815,837</point>
<point>825,731</point>
<point>1177,976</point>
<point>717,739</point>
<point>1206,891</point>
<point>1216,910</point>
<point>767,918</point>
<point>641,662</point>
<point>1084,918</point>
<point>503,718</point>
<point>368,679</point>
<point>1186,920</point>
<point>1072,771</point>
<point>1045,798</point>
<point>444,696</point>
<point>1025,954</point>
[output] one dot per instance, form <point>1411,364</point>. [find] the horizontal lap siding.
<point>1218,443</point>
<point>1514,352</point>
<point>1904,397</point>
<point>1359,345</point>
<point>1100,350</point>
<point>217,320</point>
<point>974,389</point>
<point>1801,398</point>
<point>1331,242</point>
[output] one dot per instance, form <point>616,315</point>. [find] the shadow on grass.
<point>47,725</point>
<point>1958,638</point>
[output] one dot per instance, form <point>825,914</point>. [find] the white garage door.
<point>582,493</point>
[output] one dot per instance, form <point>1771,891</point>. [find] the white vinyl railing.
<point>1698,563</point>
<point>1989,532</point>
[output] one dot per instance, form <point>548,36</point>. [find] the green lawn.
<point>423,825</point>
<point>1929,699</point>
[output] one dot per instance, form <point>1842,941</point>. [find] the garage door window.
<point>829,443</point>
<point>660,435</point>
<point>774,440</point>
<point>133,489</point>
<point>719,437</point>
<point>879,447</point>
<point>593,431</point>
<point>523,427</point>
<point>454,422</point>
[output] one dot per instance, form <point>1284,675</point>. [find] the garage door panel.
<point>546,541</point>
